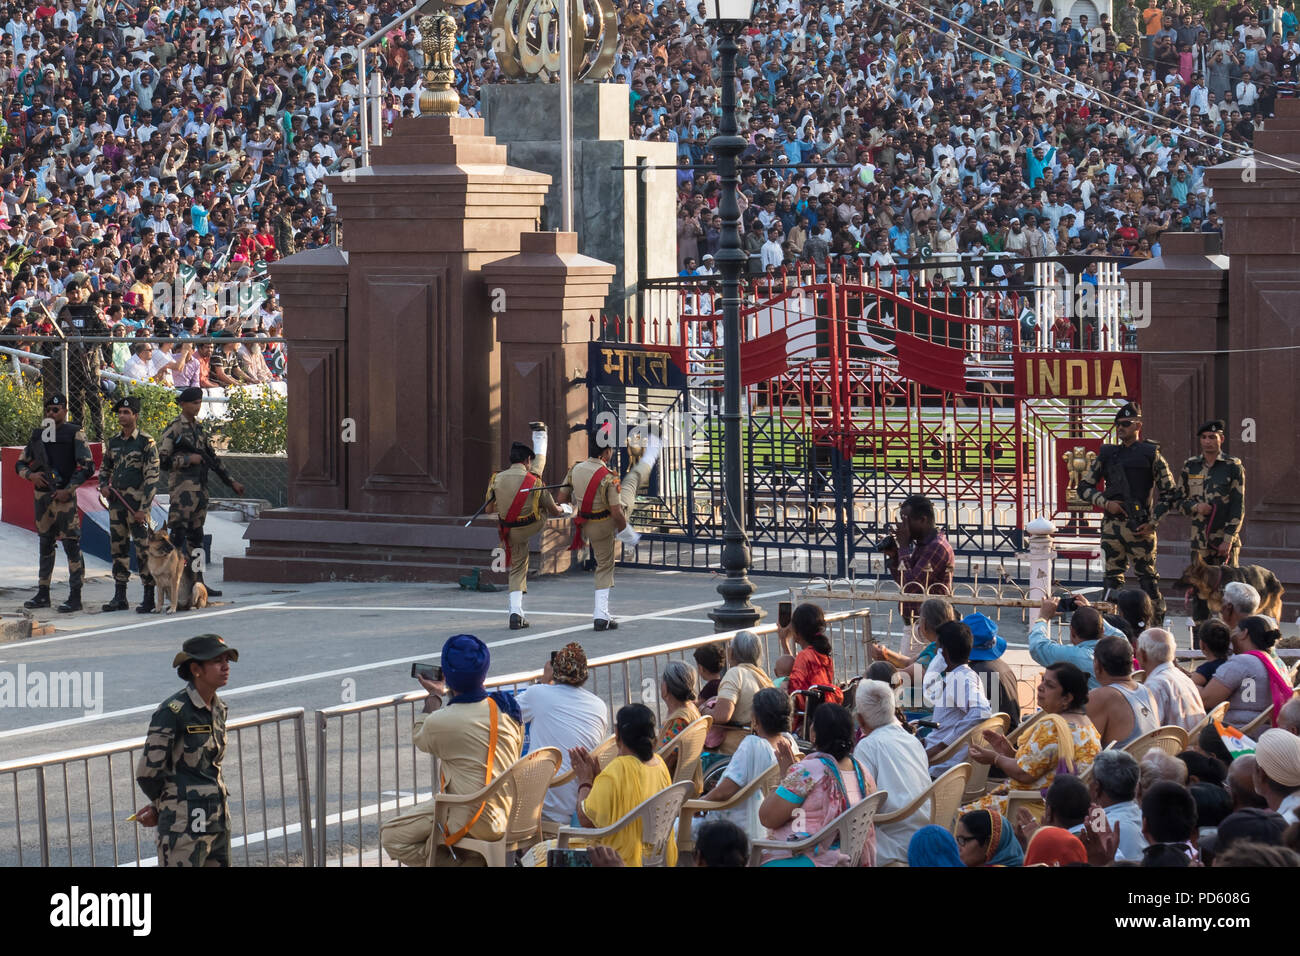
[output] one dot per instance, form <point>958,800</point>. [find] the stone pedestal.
<point>620,215</point>
<point>1261,210</point>
<point>394,417</point>
<point>1187,295</point>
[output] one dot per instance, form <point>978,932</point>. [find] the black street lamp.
<point>728,17</point>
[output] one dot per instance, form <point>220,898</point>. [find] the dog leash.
<point>126,504</point>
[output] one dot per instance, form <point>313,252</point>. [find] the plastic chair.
<point>764,783</point>
<point>852,827</point>
<point>1259,723</point>
<point>688,746</point>
<point>605,752</point>
<point>525,782</point>
<point>656,817</point>
<point>979,778</point>
<point>944,796</point>
<point>1013,738</point>
<point>1217,713</point>
<point>1171,739</point>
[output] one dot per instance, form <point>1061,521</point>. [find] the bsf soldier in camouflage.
<point>519,515</point>
<point>128,480</point>
<point>1132,471</point>
<point>186,454</point>
<point>602,504</point>
<point>1213,487</point>
<point>180,767</point>
<point>57,468</point>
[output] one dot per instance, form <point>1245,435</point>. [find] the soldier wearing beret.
<point>520,511</point>
<point>1122,480</point>
<point>128,480</point>
<point>186,454</point>
<point>57,462</point>
<point>180,767</point>
<point>1213,487</point>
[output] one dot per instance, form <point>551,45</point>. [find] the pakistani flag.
<point>187,275</point>
<point>251,294</point>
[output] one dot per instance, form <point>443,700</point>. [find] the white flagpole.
<point>566,118</point>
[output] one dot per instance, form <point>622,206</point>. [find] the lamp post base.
<point>735,613</point>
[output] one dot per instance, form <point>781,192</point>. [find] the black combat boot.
<point>42,598</point>
<point>73,603</point>
<point>147,604</point>
<point>119,602</point>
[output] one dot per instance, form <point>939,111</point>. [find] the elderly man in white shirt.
<point>1113,785</point>
<point>897,762</point>
<point>1176,695</point>
<point>139,367</point>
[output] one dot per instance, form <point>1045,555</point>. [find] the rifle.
<point>492,498</point>
<point>209,461</point>
<point>1136,513</point>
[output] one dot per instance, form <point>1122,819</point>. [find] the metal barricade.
<point>368,768</point>
<point>70,808</point>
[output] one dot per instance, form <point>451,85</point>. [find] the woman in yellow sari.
<point>1062,741</point>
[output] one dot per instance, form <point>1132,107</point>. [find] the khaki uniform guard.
<point>128,480</point>
<point>56,470</point>
<point>520,513</point>
<point>602,505</point>
<point>180,768</point>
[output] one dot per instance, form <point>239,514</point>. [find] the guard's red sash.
<point>512,514</point>
<point>588,499</point>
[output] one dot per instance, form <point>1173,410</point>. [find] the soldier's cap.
<point>130,402</point>
<point>1213,426</point>
<point>191,394</point>
<point>1129,410</point>
<point>58,400</point>
<point>205,647</point>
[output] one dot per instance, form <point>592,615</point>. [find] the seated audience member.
<point>985,838</point>
<point>677,690</point>
<point>1053,846</point>
<point>720,843</point>
<point>1135,611</point>
<point>1155,766</point>
<point>1178,699</point>
<point>756,753</point>
<point>1000,680</point>
<point>1065,805</point>
<point>817,789</point>
<point>1203,769</point>
<point>1277,772</point>
<point>1064,739</point>
<point>959,701</point>
<point>1289,719</point>
<point>562,713</point>
<point>1252,825</point>
<point>1241,784</point>
<point>813,664</point>
<point>1121,708</point>
<point>458,734</point>
<point>1240,601</point>
<point>1168,819</point>
<point>1250,681</point>
<point>744,678</point>
<point>897,762</point>
<point>1213,804</point>
<point>933,612</point>
<point>710,660</point>
<point>1257,854</point>
<point>1211,744</point>
<point>1215,639</point>
<point>1085,631</point>
<point>1113,785</point>
<point>631,778</point>
<point>933,846</point>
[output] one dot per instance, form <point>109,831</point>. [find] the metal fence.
<point>71,808</point>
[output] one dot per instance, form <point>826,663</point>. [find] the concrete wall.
<point>525,117</point>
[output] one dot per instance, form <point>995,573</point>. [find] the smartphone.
<point>428,671</point>
<point>568,858</point>
<point>783,612</point>
<point>1066,605</point>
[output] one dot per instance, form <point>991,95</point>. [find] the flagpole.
<point>566,117</point>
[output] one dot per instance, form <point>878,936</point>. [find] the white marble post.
<point>1040,532</point>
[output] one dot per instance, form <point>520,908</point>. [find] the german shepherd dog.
<point>1208,580</point>
<point>173,577</point>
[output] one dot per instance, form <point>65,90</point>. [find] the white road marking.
<point>503,612</point>
<point>153,621</point>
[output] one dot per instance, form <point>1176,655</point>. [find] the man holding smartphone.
<point>917,553</point>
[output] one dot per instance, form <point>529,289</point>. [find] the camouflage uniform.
<point>1223,486</point>
<point>1146,471</point>
<point>180,772</point>
<point>85,360</point>
<point>66,462</point>
<point>187,484</point>
<point>130,467</point>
